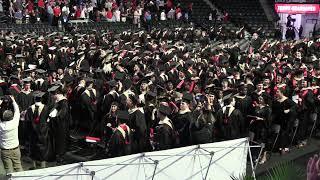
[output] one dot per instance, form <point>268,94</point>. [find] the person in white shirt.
<point>117,15</point>
<point>136,16</point>
<point>83,14</point>
<point>163,16</point>
<point>9,141</point>
<point>65,13</point>
<point>171,14</point>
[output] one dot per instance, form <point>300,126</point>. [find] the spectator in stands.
<point>50,14</point>
<point>83,14</point>
<point>148,20</point>
<point>169,5</point>
<point>171,14</point>
<point>57,14</point>
<point>225,16</point>
<point>18,16</point>
<point>11,11</point>
<point>190,9</point>
<point>65,13</point>
<point>109,15</point>
<point>136,16</point>
<point>117,15</point>
<point>300,31</point>
<point>178,12</point>
<point>108,5</point>
<point>41,10</point>
<point>163,16</point>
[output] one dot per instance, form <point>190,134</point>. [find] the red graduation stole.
<point>180,84</point>
<point>124,127</point>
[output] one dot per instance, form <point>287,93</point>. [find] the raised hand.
<point>313,168</point>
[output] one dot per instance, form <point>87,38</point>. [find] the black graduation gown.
<point>150,116</point>
<point>40,84</point>
<point>109,122</point>
<point>89,101</point>
<point>244,105</point>
<point>60,127</point>
<point>182,124</point>
<point>307,114</point>
<point>229,126</point>
<point>112,96</point>
<point>139,130</point>
<point>40,144</point>
<point>163,136</point>
<point>284,120</point>
<point>24,100</point>
<point>83,65</point>
<point>51,62</point>
<point>201,129</point>
<point>118,145</point>
<point>75,103</point>
<point>261,128</point>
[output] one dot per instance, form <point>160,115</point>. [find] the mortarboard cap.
<point>166,110</point>
<point>40,71</point>
<point>27,80</point>
<point>119,75</point>
<point>38,94</point>
<point>54,88</point>
<point>52,48</point>
<point>19,56</point>
<point>112,83</point>
<point>187,97</point>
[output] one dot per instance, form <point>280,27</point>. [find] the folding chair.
<point>295,125</point>
<point>314,118</point>
<point>276,129</point>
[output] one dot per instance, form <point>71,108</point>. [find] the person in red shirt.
<point>109,15</point>
<point>169,5</point>
<point>30,7</point>
<point>78,12</point>
<point>56,13</point>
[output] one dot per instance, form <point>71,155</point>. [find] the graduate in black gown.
<point>112,96</point>
<point>138,125</point>
<point>150,109</point>
<point>307,112</point>
<point>60,118</point>
<point>89,102</point>
<point>201,129</point>
<point>244,104</point>
<point>110,122</point>
<point>285,113</point>
<point>75,103</point>
<point>120,143</point>
<point>183,119</point>
<point>163,134</point>
<point>260,124</point>
<point>24,100</point>
<point>230,122</point>
<point>40,139</point>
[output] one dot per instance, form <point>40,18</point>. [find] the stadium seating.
<point>248,13</point>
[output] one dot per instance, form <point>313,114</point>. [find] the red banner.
<point>297,8</point>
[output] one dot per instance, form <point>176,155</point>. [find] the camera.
<point>6,108</point>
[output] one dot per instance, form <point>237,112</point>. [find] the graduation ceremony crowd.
<point>146,91</point>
